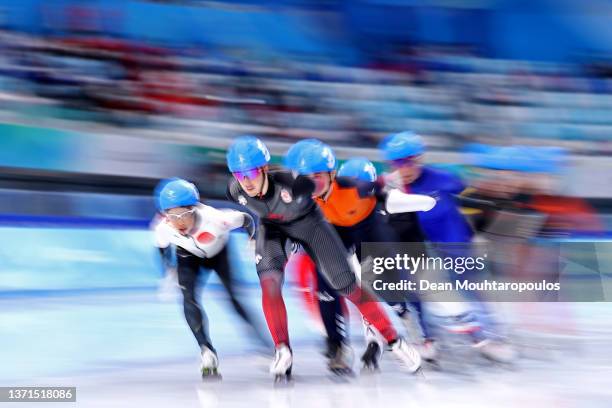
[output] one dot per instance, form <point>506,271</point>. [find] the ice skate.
<point>427,347</point>
<point>497,351</point>
<point>408,356</point>
<point>282,365</point>
<point>371,356</point>
<point>209,365</point>
<point>340,358</point>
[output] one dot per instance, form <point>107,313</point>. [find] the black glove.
<point>303,186</point>
<point>249,225</point>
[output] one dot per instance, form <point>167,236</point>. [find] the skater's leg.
<point>373,229</point>
<point>334,315</point>
<point>419,319</point>
<point>373,313</point>
<point>221,265</point>
<point>274,307</point>
<point>332,311</point>
<point>188,268</point>
<point>378,230</point>
<point>271,259</point>
<point>303,269</point>
<point>419,333</point>
<point>322,243</point>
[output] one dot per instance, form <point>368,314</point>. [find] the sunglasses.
<point>250,174</point>
<point>409,161</point>
<point>179,216</point>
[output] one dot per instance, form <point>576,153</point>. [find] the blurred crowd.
<point>450,96</point>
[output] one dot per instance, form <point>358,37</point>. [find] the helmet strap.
<point>327,193</point>
<point>264,185</point>
<point>196,221</point>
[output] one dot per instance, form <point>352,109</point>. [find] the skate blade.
<point>370,369</point>
<point>341,374</point>
<point>212,376</point>
<point>419,373</point>
<point>506,365</point>
<point>283,381</point>
<point>434,365</point>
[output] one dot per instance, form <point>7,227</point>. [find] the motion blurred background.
<point>99,100</point>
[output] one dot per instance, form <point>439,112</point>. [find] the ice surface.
<point>129,349</point>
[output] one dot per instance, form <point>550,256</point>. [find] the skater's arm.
<point>163,233</point>
<point>249,225</point>
<point>395,200</point>
<point>303,186</point>
<point>166,260</point>
<point>364,188</point>
<point>237,219</point>
<point>398,202</point>
<point>232,193</point>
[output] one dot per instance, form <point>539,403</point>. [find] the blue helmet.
<point>359,168</point>
<point>176,192</point>
<point>315,158</point>
<point>295,151</point>
<point>400,145</point>
<point>247,153</point>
